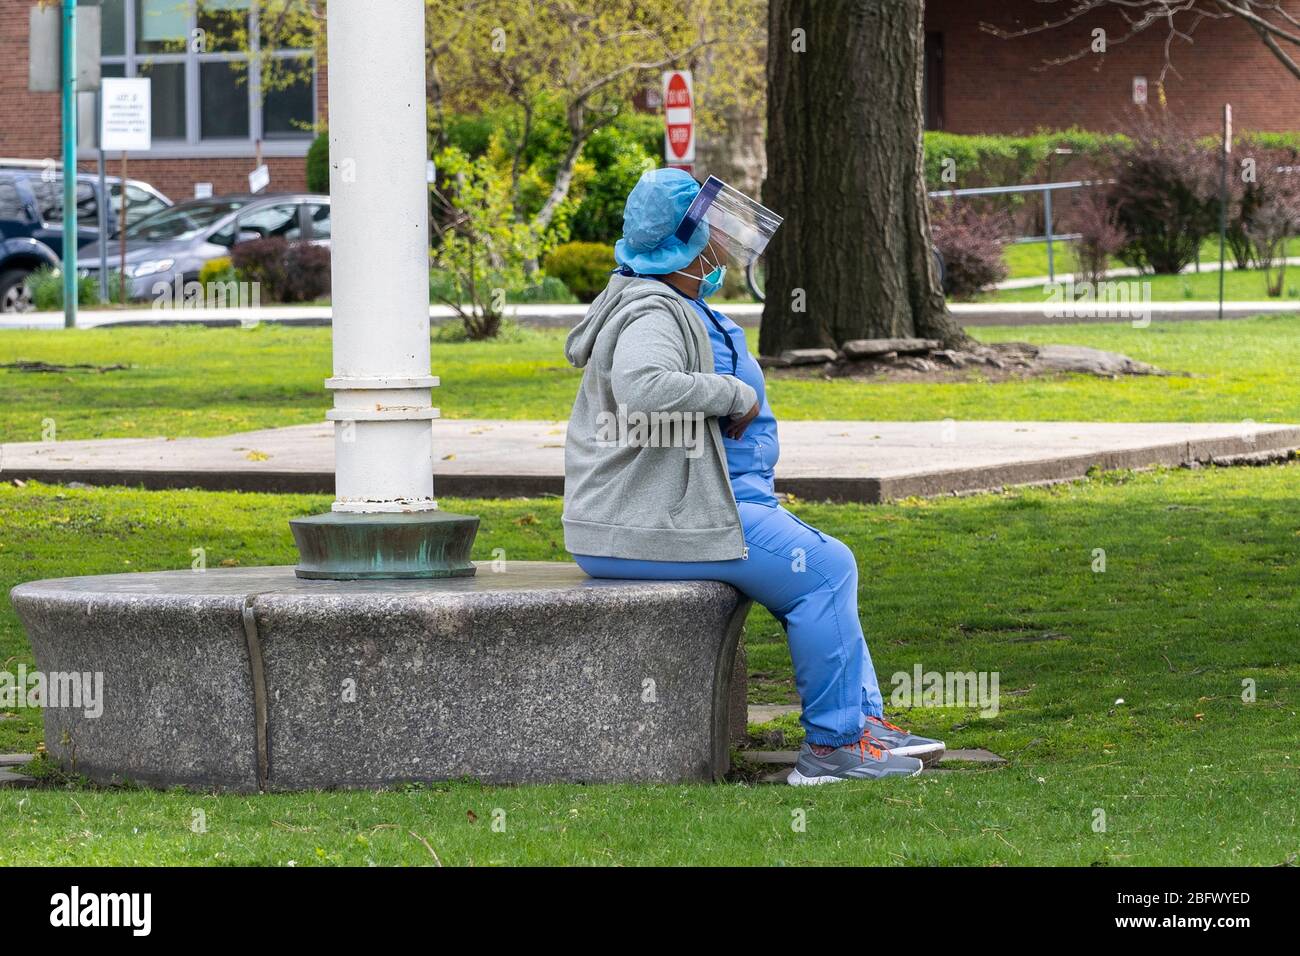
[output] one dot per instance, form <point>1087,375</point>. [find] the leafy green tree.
<point>592,59</point>
<point>481,243</point>
<point>616,156</point>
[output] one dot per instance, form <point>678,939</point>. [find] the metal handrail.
<point>1046,189</point>
<point>1027,188</point>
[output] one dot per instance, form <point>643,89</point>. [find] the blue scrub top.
<point>751,460</point>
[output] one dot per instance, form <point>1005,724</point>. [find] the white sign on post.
<point>259,179</point>
<point>124,122</point>
<point>679,117</point>
<point>1140,91</point>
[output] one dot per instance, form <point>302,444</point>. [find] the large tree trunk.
<point>845,169</point>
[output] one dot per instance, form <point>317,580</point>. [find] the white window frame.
<point>193,146</point>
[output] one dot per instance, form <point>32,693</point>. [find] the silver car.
<point>178,241</point>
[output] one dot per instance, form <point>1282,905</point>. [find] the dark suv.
<point>31,220</point>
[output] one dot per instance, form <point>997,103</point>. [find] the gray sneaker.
<point>899,741</point>
<point>861,761</point>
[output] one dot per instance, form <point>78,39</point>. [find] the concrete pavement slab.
<point>836,460</point>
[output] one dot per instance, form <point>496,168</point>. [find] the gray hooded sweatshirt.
<point>645,472</point>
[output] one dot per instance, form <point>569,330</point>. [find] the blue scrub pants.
<point>809,581</point>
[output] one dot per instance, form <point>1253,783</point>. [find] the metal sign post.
<point>121,236</point>
<point>69,85</point>
<point>125,123</point>
<point>1223,196</point>
<point>103,204</point>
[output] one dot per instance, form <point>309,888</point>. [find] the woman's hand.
<point>736,425</point>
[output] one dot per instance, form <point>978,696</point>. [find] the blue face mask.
<point>709,283</point>
<point>712,282</point>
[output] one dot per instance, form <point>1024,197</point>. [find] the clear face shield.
<point>738,227</point>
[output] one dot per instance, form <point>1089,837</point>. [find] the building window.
<point>198,53</point>
<point>932,81</point>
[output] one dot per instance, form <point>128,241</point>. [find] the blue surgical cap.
<point>654,208</point>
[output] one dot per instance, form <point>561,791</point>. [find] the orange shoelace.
<point>885,723</point>
<point>865,746</point>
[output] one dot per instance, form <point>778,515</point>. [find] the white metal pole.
<point>383,432</point>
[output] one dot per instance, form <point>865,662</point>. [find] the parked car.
<point>31,220</point>
<point>180,239</point>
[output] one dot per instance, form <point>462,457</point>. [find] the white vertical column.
<point>383,432</point>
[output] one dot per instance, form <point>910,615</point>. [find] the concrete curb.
<point>1236,449</point>
<point>1172,455</point>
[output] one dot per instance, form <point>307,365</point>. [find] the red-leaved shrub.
<point>308,269</point>
<point>1165,194</point>
<point>286,271</point>
<point>1273,216</point>
<point>1100,234</point>
<point>970,241</point>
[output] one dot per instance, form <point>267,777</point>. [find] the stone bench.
<point>248,679</point>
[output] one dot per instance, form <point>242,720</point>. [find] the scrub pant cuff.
<point>829,740</point>
<point>874,712</point>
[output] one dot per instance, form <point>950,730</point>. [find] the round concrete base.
<point>249,679</point>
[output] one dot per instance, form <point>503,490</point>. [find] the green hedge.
<point>988,160</point>
<point>1263,141</point>
<point>548,289</point>
<point>1012,160</point>
<point>584,267</point>
<point>318,164</point>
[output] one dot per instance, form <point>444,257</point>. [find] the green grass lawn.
<point>1030,258</point>
<point>1247,285</point>
<point>1197,596</point>
<point>191,381</point>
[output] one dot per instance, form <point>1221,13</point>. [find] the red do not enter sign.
<point>679,117</point>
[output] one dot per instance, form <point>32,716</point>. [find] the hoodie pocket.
<point>684,502</point>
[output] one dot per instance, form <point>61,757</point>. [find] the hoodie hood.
<point>621,292</point>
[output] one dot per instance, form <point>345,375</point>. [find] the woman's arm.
<point>649,373</point>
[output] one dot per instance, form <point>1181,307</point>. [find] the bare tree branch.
<point>1270,21</point>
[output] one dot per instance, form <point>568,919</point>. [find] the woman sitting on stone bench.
<point>669,466</point>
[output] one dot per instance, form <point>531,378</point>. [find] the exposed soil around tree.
<point>923,360</point>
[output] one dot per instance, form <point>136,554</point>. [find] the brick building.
<point>209,115</point>
<point>208,112</point>
<point>981,83</point>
